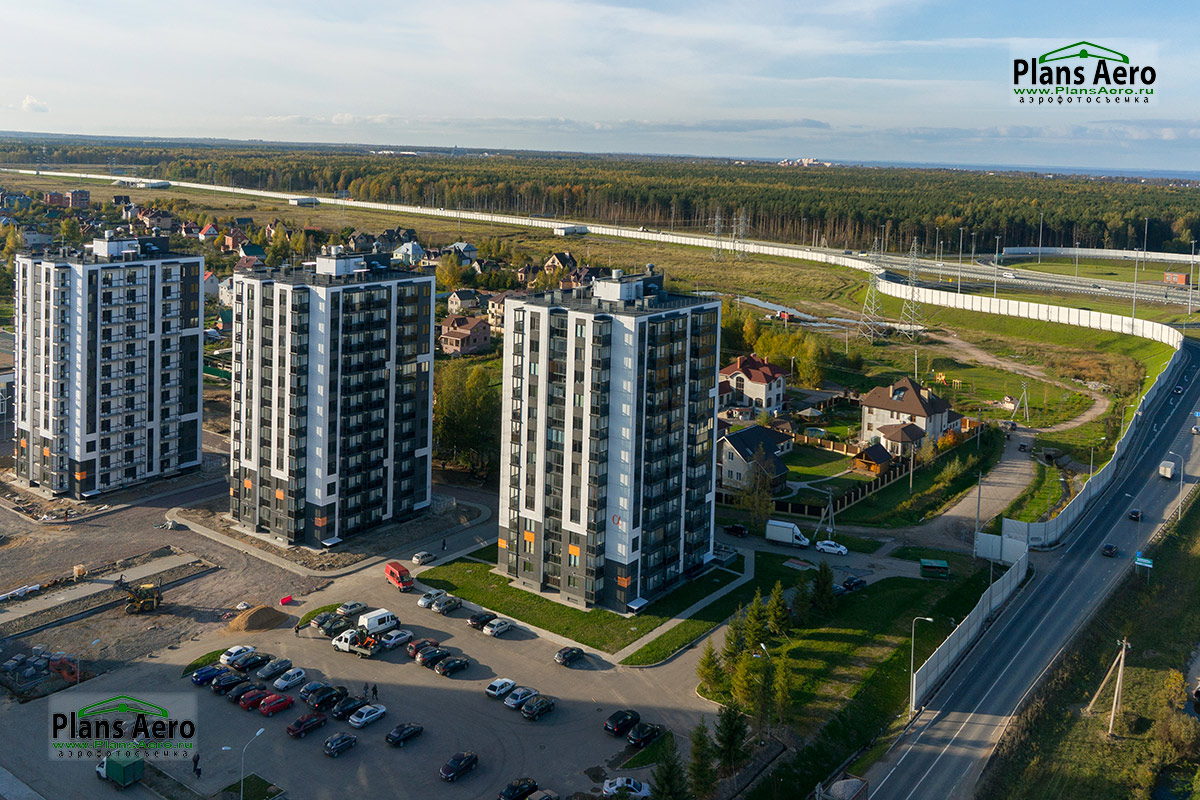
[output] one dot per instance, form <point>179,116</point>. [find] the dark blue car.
<point>204,675</point>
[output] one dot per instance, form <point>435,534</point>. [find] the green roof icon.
<point>123,704</point>
<point>1083,50</point>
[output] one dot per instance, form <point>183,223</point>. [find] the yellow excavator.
<point>142,599</point>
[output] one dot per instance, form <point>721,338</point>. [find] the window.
<point>527,546</point>
<point>573,560</point>
<point>573,581</point>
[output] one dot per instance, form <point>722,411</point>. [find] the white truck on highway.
<point>785,533</point>
<point>1167,469</point>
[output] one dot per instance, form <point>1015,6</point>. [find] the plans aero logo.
<point>123,704</point>
<point>1083,73</point>
<point>155,725</point>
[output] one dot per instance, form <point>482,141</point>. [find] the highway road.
<point>945,751</point>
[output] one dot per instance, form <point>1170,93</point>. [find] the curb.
<point>112,509</point>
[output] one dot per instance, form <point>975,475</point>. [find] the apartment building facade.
<point>608,434</point>
<point>108,365</point>
<point>332,398</point>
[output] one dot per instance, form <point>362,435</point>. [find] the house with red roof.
<point>211,284</point>
<point>754,383</point>
<point>208,233</point>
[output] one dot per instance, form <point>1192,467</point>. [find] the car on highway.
<point>424,557</point>
<point>853,583</point>
<point>1010,275</point>
<point>351,608</point>
<point>339,743</point>
<point>366,715</point>
<point>249,662</point>
<point>234,695</point>
<point>737,530</point>
<point>1178,389</point>
<point>234,652</point>
<point>223,683</point>
<point>1135,514</point>
<point>568,656</point>
<point>458,765</point>
<point>1195,429</point>
<point>499,687</point>
<point>402,733</point>
<point>417,645</point>
<point>619,723</point>
<point>537,707</point>
<point>446,604</point>
<point>205,675</point>
<point>832,547</point>
<point>520,696</point>
<point>430,656</point>
<point>273,704</point>
<point>497,627</point>
<point>1108,550</point>
<point>395,638</point>
<point>449,666</point>
<point>625,787</point>
<point>643,734</point>
<point>275,668</point>
<point>306,723</point>
<point>253,698</point>
<point>327,698</point>
<point>347,706</point>
<point>430,597</point>
<point>518,789</point>
<point>477,621</point>
<point>310,688</point>
<point>293,677</point>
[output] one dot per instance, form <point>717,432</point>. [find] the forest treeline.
<point>836,206</point>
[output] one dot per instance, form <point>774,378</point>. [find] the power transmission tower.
<point>739,243</point>
<point>717,253</point>
<point>911,316</point>
<point>1022,401</point>
<point>870,321</point>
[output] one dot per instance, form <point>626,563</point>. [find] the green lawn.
<point>1039,497</point>
<point>308,616</point>
<point>254,788</point>
<point>1150,273</point>
<point>203,661</point>
<point>651,753</point>
<point>805,463</point>
<point>598,628</point>
<point>960,563</point>
<point>489,553</point>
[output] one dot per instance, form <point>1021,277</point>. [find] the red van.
<point>397,575</point>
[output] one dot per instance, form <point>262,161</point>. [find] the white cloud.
<point>31,103</point>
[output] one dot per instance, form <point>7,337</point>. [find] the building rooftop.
<point>111,250</point>
<point>631,295</point>
<point>369,271</point>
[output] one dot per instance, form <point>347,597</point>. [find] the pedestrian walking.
<point>196,764</point>
<point>197,773</point>
<point>375,691</point>
<point>443,544</point>
<point>297,629</point>
<point>366,690</point>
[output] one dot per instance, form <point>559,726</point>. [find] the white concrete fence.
<point>1097,252</point>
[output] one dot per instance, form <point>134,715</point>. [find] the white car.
<point>633,788</point>
<point>1195,429</point>
<point>293,677</point>
<point>366,715</point>
<point>497,627</point>
<point>830,546</point>
<point>395,638</point>
<point>234,652</point>
<point>500,687</point>
<point>349,609</point>
<point>423,557</point>
<point>431,597</point>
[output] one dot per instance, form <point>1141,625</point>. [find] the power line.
<point>911,316</point>
<point>870,321</point>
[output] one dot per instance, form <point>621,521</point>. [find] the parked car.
<point>853,584</point>
<point>249,662</point>
<point>1022,447</point>
<point>253,698</point>
<point>423,557</point>
<point>537,707</point>
<point>1135,514</point>
<point>223,683</point>
<point>339,743</point>
<point>351,608</point>
<point>327,698</point>
<point>430,656</point>
<point>275,668</point>
<point>273,704</point>
<point>613,787</point>
<point>234,652</point>
<point>417,645</point>
<point>458,765</point>
<point>293,677</point>
<point>335,625</point>
<point>497,627</point>
<point>393,639</point>
<point>398,575</point>
<point>347,706</point>
<point>832,547</point>
<point>234,695</point>
<point>518,789</point>
<point>449,666</point>
<point>430,597</point>
<point>499,687</point>
<point>205,675</point>
<point>1108,550</point>
<point>520,696</point>
<point>366,715</point>
<point>401,734</point>
<point>568,655</point>
<point>643,734</point>
<point>619,723</point>
<point>306,723</point>
<point>446,604</point>
<point>311,688</point>
<point>737,530</point>
<point>477,621</point>
<point>321,619</point>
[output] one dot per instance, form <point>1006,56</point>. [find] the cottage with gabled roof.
<point>208,233</point>
<point>462,336</point>
<point>755,383</point>
<point>558,261</point>
<point>737,452</point>
<point>899,416</point>
<point>464,299</point>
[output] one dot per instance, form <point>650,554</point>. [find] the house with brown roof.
<point>562,260</point>
<point>234,240</point>
<point>464,299</point>
<point>462,336</point>
<point>189,229</point>
<point>495,309</point>
<point>737,457</point>
<point>754,383</point>
<point>901,415</point>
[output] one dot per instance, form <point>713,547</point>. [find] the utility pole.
<point>960,242</point>
<point>978,502</point>
<point>1112,718</point>
<point>996,269</point>
<point>1041,218</point>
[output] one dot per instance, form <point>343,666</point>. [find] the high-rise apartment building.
<point>608,440</point>
<point>332,398</point>
<point>108,364</point>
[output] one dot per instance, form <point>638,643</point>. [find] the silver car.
<point>293,677</point>
<point>446,604</point>
<point>430,597</point>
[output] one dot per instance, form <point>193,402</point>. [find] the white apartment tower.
<point>108,364</point>
<point>608,440</point>
<point>332,398</point>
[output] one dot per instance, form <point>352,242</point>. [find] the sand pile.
<point>259,618</point>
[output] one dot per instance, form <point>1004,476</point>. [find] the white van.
<point>377,622</point>
<point>1011,276</point>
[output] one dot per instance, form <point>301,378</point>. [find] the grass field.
<point>308,616</point>
<point>960,564</point>
<point>806,463</point>
<point>651,753</point>
<point>1100,268</point>
<point>203,661</point>
<point>489,553</point>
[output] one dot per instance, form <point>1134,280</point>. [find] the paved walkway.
<point>89,586</point>
<point>13,788</point>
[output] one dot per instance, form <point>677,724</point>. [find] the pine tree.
<point>708,670</point>
<point>744,683</point>
<point>668,778</point>
<point>702,770</point>
<point>735,642</point>
<point>823,599</point>
<point>782,699</point>
<point>730,737</point>
<point>754,629</point>
<point>802,603</point>
<point>778,618</point>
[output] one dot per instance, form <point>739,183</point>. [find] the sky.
<point>855,80</point>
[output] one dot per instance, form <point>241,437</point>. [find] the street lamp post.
<point>996,269</point>
<point>242,780</point>
<point>912,663</point>
<point>960,242</point>
<point>1179,503</point>
<point>1091,456</point>
<point>1127,407</point>
<point>78,660</point>
<point>1077,261</point>
<point>1041,218</point>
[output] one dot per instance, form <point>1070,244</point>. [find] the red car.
<point>308,722</point>
<point>275,702</point>
<point>251,700</point>
<point>417,645</point>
